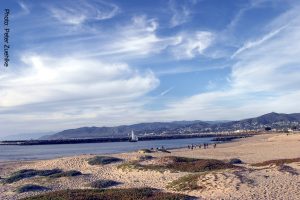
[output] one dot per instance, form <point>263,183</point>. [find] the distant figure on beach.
<point>215,145</point>
<point>199,146</point>
<point>189,147</point>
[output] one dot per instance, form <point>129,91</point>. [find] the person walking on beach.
<point>215,145</point>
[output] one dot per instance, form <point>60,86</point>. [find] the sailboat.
<point>133,137</point>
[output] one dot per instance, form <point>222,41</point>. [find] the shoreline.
<point>269,182</point>
<point>214,140</point>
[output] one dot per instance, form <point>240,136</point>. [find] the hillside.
<point>273,120</point>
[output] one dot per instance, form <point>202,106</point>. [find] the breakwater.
<point>218,137</point>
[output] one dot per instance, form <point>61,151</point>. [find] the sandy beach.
<point>269,181</point>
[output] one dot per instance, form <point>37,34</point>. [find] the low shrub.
<point>199,165</point>
<point>66,174</point>
<point>103,160</point>
<point>31,188</point>
<point>100,184</point>
<point>124,194</point>
<point>182,164</point>
<point>28,173</point>
<point>235,161</point>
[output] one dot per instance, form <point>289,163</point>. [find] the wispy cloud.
<point>192,44</point>
<point>163,93</point>
<point>76,13</point>
<point>134,39</point>
<point>264,78</point>
<point>180,12</point>
<point>188,69</point>
<point>24,8</point>
<point>258,42</point>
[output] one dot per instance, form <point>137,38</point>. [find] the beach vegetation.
<point>186,183</point>
<point>69,173</point>
<point>28,173</point>
<point>103,160</point>
<point>100,184</point>
<point>31,188</point>
<point>235,161</point>
<point>101,194</point>
<point>277,162</point>
<point>180,164</point>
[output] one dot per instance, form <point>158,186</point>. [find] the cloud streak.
<point>77,12</point>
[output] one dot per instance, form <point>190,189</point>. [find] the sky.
<point>77,63</point>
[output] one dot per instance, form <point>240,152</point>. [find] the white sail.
<point>133,137</point>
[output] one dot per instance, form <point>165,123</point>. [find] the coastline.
<point>269,182</point>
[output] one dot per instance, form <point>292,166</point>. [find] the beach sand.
<point>267,182</point>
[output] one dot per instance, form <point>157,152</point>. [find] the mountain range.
<point>278,121</point>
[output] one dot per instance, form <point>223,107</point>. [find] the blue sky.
<point>94,62</point>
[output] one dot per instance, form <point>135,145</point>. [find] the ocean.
<point>36,152</point>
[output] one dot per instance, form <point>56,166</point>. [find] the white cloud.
<point>47,80</point>
<point>50,93</point>
<point>77,12</point>
<point>192,44</point>
<point>135,39</point>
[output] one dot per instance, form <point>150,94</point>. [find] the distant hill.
<point>273,120</point>
<point>124,130</point>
